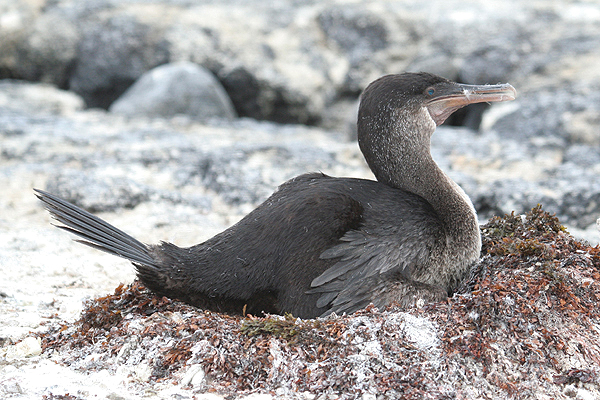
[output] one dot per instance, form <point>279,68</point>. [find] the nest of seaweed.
<point>526,321</point>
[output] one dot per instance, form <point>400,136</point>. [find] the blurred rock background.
<point>175,118</point>
<point>306,63</point>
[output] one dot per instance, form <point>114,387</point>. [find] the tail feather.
<point>95,232</point>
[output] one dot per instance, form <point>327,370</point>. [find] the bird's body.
<point>321,244</point>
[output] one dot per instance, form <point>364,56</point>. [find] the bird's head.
<point>439,96</point>
<point>398,114</point>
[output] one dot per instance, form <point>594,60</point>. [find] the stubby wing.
<point>367,258</point>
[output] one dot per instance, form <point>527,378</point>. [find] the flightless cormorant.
<point>321,244</point>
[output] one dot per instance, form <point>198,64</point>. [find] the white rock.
<point>38,97</point>
<point>9,369</point>
<point>28,347</point>
<point>583,394</point>
<point>421,332</point>
<point>142,372</point>
<point>258,396</point>
<point>209,396</point>
<point>194,376</point>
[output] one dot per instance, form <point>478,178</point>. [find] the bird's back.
<point>268,260</point>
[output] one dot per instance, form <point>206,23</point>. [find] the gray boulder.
<point>36,43</point>
<point>114,50</point>
<point>177,88</point>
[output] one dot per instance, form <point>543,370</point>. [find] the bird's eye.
<point>430,91</point>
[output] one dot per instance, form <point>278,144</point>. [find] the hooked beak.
<point>451,97</point>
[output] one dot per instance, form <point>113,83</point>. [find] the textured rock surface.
<point>181,180</point>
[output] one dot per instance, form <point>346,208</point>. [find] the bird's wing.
<point>366,258</point>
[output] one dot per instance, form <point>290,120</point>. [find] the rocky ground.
<point>282,79</point>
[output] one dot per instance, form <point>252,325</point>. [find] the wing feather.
<point>367,257</point>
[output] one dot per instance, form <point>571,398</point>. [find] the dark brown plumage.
<point>321,244</point>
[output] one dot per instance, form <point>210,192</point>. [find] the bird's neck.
<point>419,174</point>
<point>405,162</point>
<point>455,210</point>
